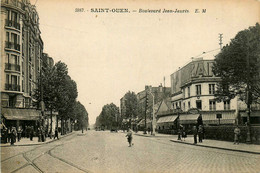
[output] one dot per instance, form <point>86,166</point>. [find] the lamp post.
<point>178,123</point>
<point>154,120</point>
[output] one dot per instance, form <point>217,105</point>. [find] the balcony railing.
<point>12,45</point>
<point>12,87</point>
<point>11,23</point>
<point>14,67</point>
<point>14,3</point>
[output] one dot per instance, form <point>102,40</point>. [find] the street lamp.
<point>154,120</point>
<point>178,123</point>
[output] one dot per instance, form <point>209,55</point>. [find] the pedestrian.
<point>129,136</point>
<point>8,134</point>
<point>13,136</point>
<point>19,133</point>
<point>39,134</point>
<point>56,135</point>
<point>200,132</point>
<point>43,134</point>
<point>194,131</point>
<point>31,133</point>
<point>236,135</point>
<point>184,134</point>
<point>5,135</point>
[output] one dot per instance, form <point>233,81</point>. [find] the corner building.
<point>194,86</point>
<point>21,61</point>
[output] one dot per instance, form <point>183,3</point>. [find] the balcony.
<point>12,87</point>
<point>11,23</point>
<point>13,3</point>
<point>11,45</point>
<point>13,67</point>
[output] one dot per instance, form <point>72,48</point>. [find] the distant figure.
<point>13,136</point>
<point>194,132</point>
<point>31,133</point>
<point>56,135</point>
<point>237,135</point>
<point>8,134</point>
<point>39,134</point>
<point>200,132</point>
<point>184,134</point>
<point>129,136</point>
<point>19,133</point>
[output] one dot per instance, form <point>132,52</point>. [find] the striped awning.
<point>167,119</point>
<point>21,114</point>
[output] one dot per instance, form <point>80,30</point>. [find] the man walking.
<point>129,136</point>
<point>56,133</point>
<point>194,131</point>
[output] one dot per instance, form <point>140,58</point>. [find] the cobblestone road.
<point>109,152</point>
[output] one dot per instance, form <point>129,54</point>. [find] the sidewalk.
<point>28,142</point>
<point>208,143</point>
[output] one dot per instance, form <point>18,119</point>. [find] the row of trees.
<point>59,93</point>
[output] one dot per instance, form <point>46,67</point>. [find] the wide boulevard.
<point>103,151</point>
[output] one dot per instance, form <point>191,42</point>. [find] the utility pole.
<point>248,97</point>
<point>145,108</point>
<point>220,40</point>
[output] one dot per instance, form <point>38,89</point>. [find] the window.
<point>176,104</point>
<point>188,91</point>
<point>180,104</point>
<point>183,92</point>
<point>198,89</point>
<point>212,105</point>
<point>189,105</point>
<point>184,106</point>
<point>7,79</point>
<point>7,36</point>
<point>198,104</point>
<point>7,58</point>
<point>227,105</point>
<point>211,88</point>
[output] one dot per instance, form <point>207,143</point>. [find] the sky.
<point>109,54</point>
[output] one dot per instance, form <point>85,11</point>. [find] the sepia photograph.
<point>130,86</point>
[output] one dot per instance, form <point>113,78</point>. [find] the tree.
<point>130,105</point>
<point>109,116</point>
<point>238,65</point>
<point>81,115</point>
<point>59,91</point>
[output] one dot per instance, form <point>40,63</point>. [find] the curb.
<point>206,146</point>
<point>37,143</point>
<point>145,135</point>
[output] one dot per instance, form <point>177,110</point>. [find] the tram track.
<point>49,152</point>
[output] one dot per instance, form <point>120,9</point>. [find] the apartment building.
<point>21,61</point>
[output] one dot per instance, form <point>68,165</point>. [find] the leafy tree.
<point>109,116</point>
<point>130,105</point>
<point>238,65</point>
<point>59,91</point>
<point>81,115</point>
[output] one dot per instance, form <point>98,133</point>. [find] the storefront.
<point>15,117</point>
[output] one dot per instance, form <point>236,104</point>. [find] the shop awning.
<point>142,122</point>
<point>252,114</point>
<point>21,114</point>
<point>189,118</point>
<point>167,119</point>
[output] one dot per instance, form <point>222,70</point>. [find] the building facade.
<point>194,86</point>
<point>21,58</point>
